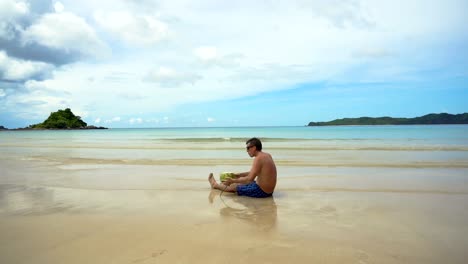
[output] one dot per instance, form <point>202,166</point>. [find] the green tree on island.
<point>62,119</point>
<point>430,119</point>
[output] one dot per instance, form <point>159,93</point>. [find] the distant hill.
<point>62,119</point>
<point>430,119</point>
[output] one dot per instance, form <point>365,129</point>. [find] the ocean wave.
<point>273,139</point>
<point>235,147</point>
<point>245,162</point>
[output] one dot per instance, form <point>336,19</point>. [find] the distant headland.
<point>60,120</point>
<point>430,119</point>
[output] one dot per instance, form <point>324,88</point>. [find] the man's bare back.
<point>266,178</point>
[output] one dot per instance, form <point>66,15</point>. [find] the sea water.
<point>195,143</point>
<point>293,148</point>
<point>436,134</point>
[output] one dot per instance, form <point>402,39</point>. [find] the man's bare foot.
<point>212,180</point>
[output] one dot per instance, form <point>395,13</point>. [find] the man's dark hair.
<point>255,142</point>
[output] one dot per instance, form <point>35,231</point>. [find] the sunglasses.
<point>248,147</point>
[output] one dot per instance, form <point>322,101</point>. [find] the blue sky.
<point>127,63</point>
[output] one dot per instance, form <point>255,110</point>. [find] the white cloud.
<point>10,12</point>
<point>341,14</point>
<point>168,77</point>
<point>65,31</point>
<point>210,119</point>
<point>133,28</point>
<point>206,53</point>
<point>12,69</point>
<point>97,121</point>
<point>11,9</point>
<point>152,120</point>
<point>2,93</point>
<point>39,104</point>
<point>373,52</point>
<point>138,120</point>
<point>58,7</point>
<point>210,56</point>
<point>45,86</point>
<point>112,120</point>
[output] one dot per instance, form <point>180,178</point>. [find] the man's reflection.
<point>261,212</point>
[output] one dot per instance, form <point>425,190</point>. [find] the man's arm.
<point>241,174</point>
<point>248,177</point>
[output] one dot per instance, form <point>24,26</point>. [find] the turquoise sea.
<point>355,146</point>
<point>403,136</point>
<point>423,132</point>
<point>299,151</point>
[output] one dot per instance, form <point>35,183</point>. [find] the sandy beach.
<point>65,205</point>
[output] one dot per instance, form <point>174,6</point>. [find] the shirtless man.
<point>263,168</point>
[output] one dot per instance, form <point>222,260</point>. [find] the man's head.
<point>254,142</point>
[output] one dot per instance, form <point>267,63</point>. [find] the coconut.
<point>226,175</point>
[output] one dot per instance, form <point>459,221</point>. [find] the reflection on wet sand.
<point>23,200</point>
<point>261,213</point>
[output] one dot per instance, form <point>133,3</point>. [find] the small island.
<point>60,120</point>
<point>430,119</point>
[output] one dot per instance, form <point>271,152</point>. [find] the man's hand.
<point>228,182</point>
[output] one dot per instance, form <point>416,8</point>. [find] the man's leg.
<point>220,186</point>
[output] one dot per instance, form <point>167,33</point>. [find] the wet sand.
<point>68,212</point>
